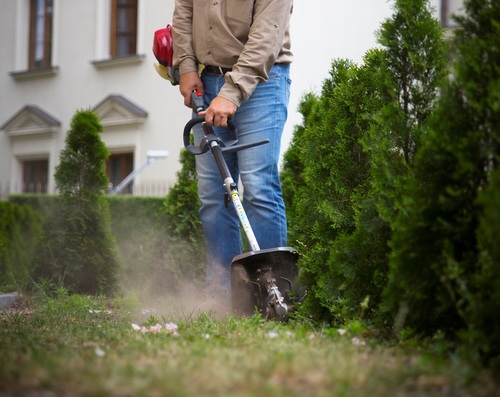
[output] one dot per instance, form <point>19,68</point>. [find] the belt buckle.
<point>221,71</point>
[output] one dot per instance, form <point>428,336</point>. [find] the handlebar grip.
<point>187,134</point>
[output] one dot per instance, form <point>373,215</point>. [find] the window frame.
<point>35,176</point>
<point>46,31</point>
<point>129,33</point>
<point>118,167</point>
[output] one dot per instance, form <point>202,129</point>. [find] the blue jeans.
<point>260,117</point>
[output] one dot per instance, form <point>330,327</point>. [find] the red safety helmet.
<point>163,46</point>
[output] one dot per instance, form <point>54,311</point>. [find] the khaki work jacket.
<point>246,36</point>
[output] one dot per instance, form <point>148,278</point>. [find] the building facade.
<point>60,56</point>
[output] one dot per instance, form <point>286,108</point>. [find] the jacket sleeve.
<point>270,23</point>
<point>184,56</point>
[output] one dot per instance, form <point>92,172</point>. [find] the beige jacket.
<point>249,36</point>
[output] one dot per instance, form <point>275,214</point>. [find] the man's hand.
<point>189,82</point>
<point>219,111</point>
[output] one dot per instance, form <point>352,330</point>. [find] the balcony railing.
<point>152,189</point>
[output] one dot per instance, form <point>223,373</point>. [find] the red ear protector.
<point>163,46</point>
<point>163,50</point>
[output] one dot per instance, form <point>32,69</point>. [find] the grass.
<point>81,346</point>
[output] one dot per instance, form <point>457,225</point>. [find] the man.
<point>244,46</point>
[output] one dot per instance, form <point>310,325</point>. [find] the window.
<point>123,28</point>
<point>118,167</point>
<point>35,173</point>
<point>40,42</point>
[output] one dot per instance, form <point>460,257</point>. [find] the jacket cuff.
<point>232,93</point>
<point>188,65</point>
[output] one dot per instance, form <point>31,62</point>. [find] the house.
<point>57,57</point>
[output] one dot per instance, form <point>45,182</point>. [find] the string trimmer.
<point>260,279</point>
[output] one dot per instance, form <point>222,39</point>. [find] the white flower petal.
<point>99,352</point>
<point>171,327</point>
<point>135,327</point>
<point>357,341</point>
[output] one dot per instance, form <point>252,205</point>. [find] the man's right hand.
<point>189,82</point>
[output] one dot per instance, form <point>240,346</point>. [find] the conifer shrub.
<point>357,151</point>
<point>78,250</point>
<point>333,170</point>
<point>444,266</point>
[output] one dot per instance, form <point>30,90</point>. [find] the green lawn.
<point>80,346</point>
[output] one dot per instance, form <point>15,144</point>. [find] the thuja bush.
<point>357,151</point>
<point>483,327</point>
<point>78,250</point>
<point>333,170</point>
<point>410,75</point>
<point>291,174</point>
<point>444,266</point>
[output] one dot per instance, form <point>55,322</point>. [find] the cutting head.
<point>266,280</point>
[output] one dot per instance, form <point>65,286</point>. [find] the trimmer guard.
<point>253,274</point>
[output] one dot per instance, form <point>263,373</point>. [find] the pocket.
<point>238,15</point>
<point>239,10</point>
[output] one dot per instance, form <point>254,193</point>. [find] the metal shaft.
<point>234,195</point>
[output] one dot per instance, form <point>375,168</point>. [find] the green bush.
<point>355,156</point>
<point>138,228</point>
<point>19,232</point>
<point>444,266</point>
<point>483,326</point>
<point>334,169</point>
<point>78,250</point>
<point>158,241</point>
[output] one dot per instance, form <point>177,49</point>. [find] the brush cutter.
<point>260,279</point>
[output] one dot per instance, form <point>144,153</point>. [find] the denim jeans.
<point>260,117</point>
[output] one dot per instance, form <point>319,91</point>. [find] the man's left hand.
<point>219,111</point>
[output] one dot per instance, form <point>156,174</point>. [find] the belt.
<point>218,70</point>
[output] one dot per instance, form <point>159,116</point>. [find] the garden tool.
<point>261,279</point>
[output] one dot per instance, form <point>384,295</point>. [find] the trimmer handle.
<point>210,136</point>
<point>203,148</point>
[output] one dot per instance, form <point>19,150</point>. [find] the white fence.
<point>152,189</point>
